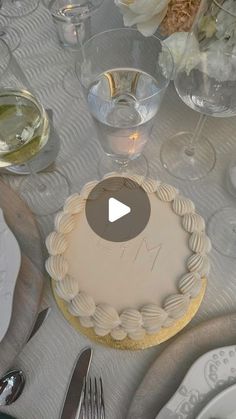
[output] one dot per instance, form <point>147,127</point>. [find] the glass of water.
<point>124,86</point>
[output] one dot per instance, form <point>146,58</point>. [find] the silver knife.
<point>73,400</point>
<point>39,321</point>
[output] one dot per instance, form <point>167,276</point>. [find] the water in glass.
<point>123,103</point>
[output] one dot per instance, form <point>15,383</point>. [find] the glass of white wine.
<point>24,131</point>
<point>17,8</point>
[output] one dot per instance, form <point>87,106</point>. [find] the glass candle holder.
<point>72,20</point>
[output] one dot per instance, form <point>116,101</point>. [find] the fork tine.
<point>102,405</point>
<point>96,403</point>
<point>90,416</point>
<point>93,406</point>
<point>83,407</point>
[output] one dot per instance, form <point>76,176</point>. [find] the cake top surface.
<point>134,287</point>
<point>133,273</point>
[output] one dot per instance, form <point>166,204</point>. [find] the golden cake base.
<point>128,344</point>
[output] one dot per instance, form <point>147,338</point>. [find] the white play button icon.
<point>117,210</point>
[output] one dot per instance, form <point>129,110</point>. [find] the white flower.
<point>146,14</point>
<point>185,52</point>
<point>220,64</point>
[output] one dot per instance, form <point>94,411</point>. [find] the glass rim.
<point>12,92</point>
<point>72,19</point>
<point>224,8</point>
<point>9,57</point>
<point>162,43</point>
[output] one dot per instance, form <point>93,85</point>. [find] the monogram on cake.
<point>134,288</point>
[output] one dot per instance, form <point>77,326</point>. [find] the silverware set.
<point>84,397</point>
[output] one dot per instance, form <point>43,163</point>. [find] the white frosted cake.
<point>136,287</point>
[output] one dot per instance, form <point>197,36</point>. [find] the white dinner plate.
<point>10,261</point>
<point>223,406</point>
<point>208,376</point>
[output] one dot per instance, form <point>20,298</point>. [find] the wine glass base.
<point>45,193</point>
<point>138,166</point>
<point>71,83</point>
<point>222,231</point>
<point>183,165</point>
<point>11,36</point>
<point>18,8</point>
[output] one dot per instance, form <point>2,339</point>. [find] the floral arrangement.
<point>169,16</point>
<point>216,30</point>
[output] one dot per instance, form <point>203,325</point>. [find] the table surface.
<point>47,360</point>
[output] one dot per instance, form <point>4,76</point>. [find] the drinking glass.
<point>24,131</point>
<point>124,85</point>
<point>17,8</point>
<point>72,19</point>
<point>206,82</point>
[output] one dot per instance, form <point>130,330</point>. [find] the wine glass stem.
<point>121,165</point>
<point>190,150</point>
<point>40,187</point>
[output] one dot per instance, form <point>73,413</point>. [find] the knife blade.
<point>39,321</point>
<point>73,399</point>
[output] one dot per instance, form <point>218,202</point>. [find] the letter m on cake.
<point>147,254</point>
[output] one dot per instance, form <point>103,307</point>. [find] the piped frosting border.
<point>135,324</point>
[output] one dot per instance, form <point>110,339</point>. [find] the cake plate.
<point>127,344</point>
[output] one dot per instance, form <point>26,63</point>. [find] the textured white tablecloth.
<point>48,358</point>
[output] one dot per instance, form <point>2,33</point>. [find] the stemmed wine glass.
<point>25,130</point>
<point>17,8</point>
<point>124,85</point>
<point>206,82</point>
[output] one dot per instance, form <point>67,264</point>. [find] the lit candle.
<point>128,143</point>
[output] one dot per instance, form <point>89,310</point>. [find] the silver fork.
<point>93,406</point>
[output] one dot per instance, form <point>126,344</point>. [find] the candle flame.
<point>134,136</point>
